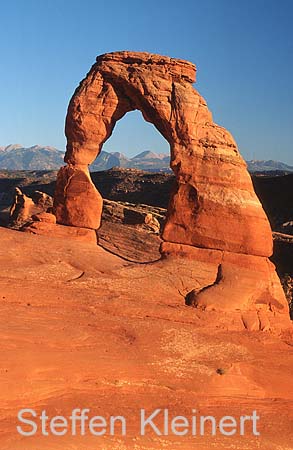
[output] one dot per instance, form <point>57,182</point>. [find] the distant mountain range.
<point>268,166</point>
<point>17,157</point>
<point>146,160</point>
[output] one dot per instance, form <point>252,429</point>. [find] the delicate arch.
<point>214,217</point>
<point>214,205</point>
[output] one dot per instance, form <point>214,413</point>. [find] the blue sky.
<point>243,52</point>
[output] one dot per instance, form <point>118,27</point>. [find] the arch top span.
<point>178,68</point>
<point>159,86</point>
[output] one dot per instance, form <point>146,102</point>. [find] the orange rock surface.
<point>81,328</point>
<point>61,231</point>
<point>44,217</point>
<point>238,282</point>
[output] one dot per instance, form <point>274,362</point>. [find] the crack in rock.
<point>191,297</point>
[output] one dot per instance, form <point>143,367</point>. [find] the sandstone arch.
<point>213,207</point>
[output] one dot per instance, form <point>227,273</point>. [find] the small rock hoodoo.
<point>214,215</point>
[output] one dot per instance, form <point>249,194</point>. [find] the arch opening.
<point>134,211</point>
<point>134,143</point>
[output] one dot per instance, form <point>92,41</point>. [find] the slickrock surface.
<point>83,328</point>
<point>60,231</point>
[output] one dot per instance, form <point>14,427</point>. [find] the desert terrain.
<point>146,225</point>
<point>150,300</point>
<point>106,327</point>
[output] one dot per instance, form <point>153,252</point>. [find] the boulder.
<point>44,217</point>
<point>24,208</point>
<point>42,199</point>
<point>21,209</point>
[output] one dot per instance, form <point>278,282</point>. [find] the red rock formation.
<point>213,206</point>
<point>22,208</point>
<point>239,282</point>
<point>77,202</point>
<point>44,217</point>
